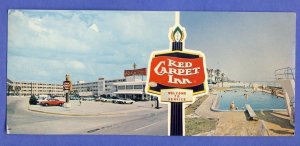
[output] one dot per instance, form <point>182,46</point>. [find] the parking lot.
<point>93,108</point>
<point>89,117</point>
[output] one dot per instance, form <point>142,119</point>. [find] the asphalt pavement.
<point>147,121</point>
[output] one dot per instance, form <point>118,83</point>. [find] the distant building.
<point>9,82</point>
<point>134,86</point>
<point>109,87</point>
<point>134,90</point>
<point>99,87</point>
<point>79,82</point>
<point>28,88</point>
<point>80,87</point>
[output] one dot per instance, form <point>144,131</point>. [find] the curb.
<point>84,115</point>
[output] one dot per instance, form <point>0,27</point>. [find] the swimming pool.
<point>258,100</point>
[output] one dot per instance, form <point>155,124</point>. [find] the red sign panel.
<point>67,85</point>
<point>177,72</point>
<point>141,71</point>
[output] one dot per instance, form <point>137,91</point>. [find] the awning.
<point>129,92</point>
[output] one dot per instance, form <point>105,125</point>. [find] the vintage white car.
<point>105,99</point>
<point>124,101</point>
<point>41,98</point>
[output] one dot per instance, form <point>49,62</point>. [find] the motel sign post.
<point>177,76</point>
<point>67,86</point>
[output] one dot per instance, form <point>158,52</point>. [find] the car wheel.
<point>60,104</point>
<point>131,102</point>
<point>46,104</point>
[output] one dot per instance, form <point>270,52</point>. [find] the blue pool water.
<point>258,100</point>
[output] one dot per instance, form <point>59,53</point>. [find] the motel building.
<point>134,85</point>
<point>97,88</point>
<point>133,88</point>
<point>17,88</point>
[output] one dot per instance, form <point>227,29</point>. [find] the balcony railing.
<point>285,73</point>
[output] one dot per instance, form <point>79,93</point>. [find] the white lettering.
<point>178,81</point>
<point>158,66</point>
<point>173,67</point>
<point>172,62</point>
<point>179,64</point>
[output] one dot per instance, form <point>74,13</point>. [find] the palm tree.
<point>9,89</point>
<point>17,90</point>
<point>210,73</point>
<point>222,78</point>
<point>217,72</point>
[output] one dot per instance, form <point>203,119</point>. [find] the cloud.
<point>94,27</point>
<point>77,65</point>
<point>47,33</point>
<point>58,42</point>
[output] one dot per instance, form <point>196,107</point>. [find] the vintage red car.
<point>52,102</point>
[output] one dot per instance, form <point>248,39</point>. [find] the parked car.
<point>74,98</point>
<point>124,101</point>
<point>106,99</point>
<point>33,100</point>
<point>88,98</point>
<point>42,98</point>
<point>97,99</point>
<point>52,102</point>
<point>114,99</point>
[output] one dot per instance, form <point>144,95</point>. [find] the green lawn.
<point>198,125</point>
<point>195,126</point>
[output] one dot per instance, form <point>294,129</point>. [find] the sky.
<point>45,45</point>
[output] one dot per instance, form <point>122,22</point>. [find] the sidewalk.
<point>236,124</point>
<point>92,108</point>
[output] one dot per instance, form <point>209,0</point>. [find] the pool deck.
<point>236,123</point>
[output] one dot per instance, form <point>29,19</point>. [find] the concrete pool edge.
<point>216,103</point>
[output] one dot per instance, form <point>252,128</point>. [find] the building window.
<point>138,87</point>
<point>129,86</point>
<point>121,87</point>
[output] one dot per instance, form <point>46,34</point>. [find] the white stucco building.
<point>132,88</point>
<point>28,88</point>
<point>97,88</point>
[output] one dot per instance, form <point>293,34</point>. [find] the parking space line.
<point>146,126</point>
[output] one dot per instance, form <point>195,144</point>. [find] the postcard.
<point>155,73</point>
